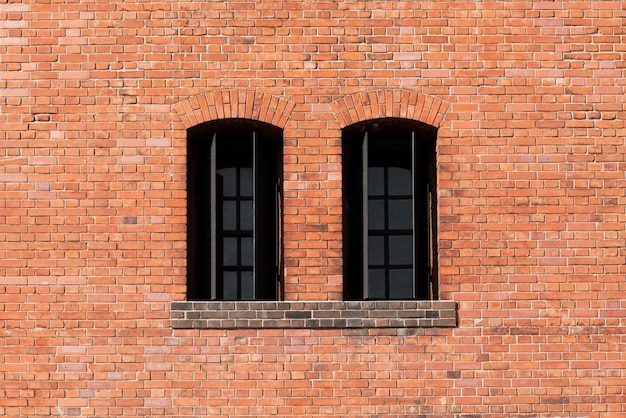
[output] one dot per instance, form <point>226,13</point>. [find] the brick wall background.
<point>95,99</point>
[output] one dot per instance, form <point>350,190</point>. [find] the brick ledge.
<point>280,315</point>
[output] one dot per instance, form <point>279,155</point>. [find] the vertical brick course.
<point>529,102</point>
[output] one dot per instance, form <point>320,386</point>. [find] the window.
<point>233,185</point>
<point>389,210</point>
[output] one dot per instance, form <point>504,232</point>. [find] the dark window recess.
<point>389,210</point>
<point>233,178</point>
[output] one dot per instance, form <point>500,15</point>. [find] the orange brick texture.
<point>530,105</point>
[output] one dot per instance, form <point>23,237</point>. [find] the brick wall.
<point>528,97</point>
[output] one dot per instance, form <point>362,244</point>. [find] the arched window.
<point>389,210</point>
<point>233,184</point>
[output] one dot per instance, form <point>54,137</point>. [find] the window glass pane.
<point>245,215</point>
<point>246,251</point>
<point>222,165</point>
<point>229,215</point>
<point>245,185</point>
<point>247,285</point>
<point>375,181</point>
<point>376,283</point>
<point>399,181</point>
<point>230,285</point>
<point>376,250</point>
<point>401,284</point>
<point>399,160</point>
<point>230,251</point>
<point>400,214</point>
<point>228,180</point>
<point>401,249</point>
<point>376,214</point>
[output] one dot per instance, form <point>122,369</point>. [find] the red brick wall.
<point>95,99</point>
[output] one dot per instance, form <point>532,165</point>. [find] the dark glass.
<point>376,214</point>
<point>400,283</point>
<point>230,252</point>
<point>233,173</point>
<point>245,185</point>
<point>246,251</point>
<point>230,285</point>
<point>247,285</point>
<point>399,181</point>
<point>400,250</point>
<point>246,216</point>
<point>375,181</point>
<point>376,284</point>
<point>229,181</point>
<point>229,215</point>
<point>376,250</point>
<point>400,214</point>
<point>398,158</point>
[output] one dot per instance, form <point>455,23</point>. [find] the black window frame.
<point>217,151</point>
<point>385,143</point>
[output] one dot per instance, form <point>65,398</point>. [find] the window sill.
<point>320,315</point>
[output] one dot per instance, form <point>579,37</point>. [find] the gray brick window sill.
<point>280,315</point>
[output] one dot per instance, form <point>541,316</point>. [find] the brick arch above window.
<point>389,103</point>
<point>242,104</point>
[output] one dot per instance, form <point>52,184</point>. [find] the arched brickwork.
<point>225,104</point>
<point>389,103</point>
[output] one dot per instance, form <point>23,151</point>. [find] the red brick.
<point>95,100</point>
